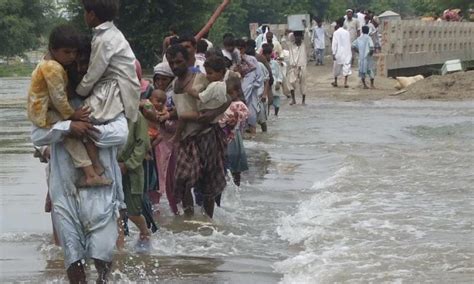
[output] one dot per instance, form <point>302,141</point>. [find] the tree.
<point>22,23</point>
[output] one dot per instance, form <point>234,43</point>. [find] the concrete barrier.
<point>408,46</point>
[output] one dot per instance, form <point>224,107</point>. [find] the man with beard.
<point>200,154</point>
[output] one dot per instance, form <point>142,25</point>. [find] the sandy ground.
<point>456,86</point>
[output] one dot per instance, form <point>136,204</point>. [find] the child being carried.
<point>48,103</point>
<point>213,97</point>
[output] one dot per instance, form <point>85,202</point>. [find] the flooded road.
<point>360,191</point>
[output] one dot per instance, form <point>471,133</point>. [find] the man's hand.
<point>123,168</point>
<point>47,153</point>
<point>164,116</point>
<point>81,114</point>
<point>82,129</point>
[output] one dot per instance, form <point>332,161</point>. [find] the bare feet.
<point>99,169</point>
<point>96,181</point>
<point>366,87</point>
<point>346,86</point>
<point>334,84</point>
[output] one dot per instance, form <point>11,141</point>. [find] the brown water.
<point>363,191</point>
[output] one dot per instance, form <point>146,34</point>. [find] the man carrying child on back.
<point>86,220</point>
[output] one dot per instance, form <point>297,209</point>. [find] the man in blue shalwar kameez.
<point>365,47</point>
<point>86,218</point>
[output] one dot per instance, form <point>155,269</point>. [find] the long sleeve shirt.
<point>47,96</point>
<point>86,220</point>
<point>134,152</point>
<point>341,46</point>
<point>112,59</point>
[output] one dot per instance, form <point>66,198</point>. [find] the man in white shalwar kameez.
<point>341,52</point>
<point>85,219</point>
<point>297,62</point>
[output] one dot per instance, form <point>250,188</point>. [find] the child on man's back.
<point>111,85</point>
<point>48,102</point>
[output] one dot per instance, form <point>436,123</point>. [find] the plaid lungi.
<point>200,160</point>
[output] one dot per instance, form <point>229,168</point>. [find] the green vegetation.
<point>25,24</point>
<point>16,70</point>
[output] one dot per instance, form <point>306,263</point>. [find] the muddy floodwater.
<point>358,191</point>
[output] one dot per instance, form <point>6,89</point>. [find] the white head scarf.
<point>163,69</point>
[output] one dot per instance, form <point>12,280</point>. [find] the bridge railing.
<point>412,44</point>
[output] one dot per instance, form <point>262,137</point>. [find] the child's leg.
<point>80,158</point>
<point>140,222</point>
<point>120,243</point>
<point>93,154</point>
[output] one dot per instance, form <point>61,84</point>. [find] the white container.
<point>297,22</point>
<point>451,66</point>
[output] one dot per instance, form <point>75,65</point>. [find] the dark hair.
<point>105,10</point>
<point>214,51</point>
<point>175,49</point>
<point>234,83</point>
<point>365,29</point>
<point>298,33</point>
<point>201,46</point>
<point>215,63</point>
<point>186,38</point>
<point>250,47</point>
<point>229,41</point>
<point>173,29</point>
<point>174,40</point>
<point>240,43</point>
<point>340,22</point>
<point>228,35</point>
<point>318,20</point>
<point>63,36</point>
<point>267,49</point>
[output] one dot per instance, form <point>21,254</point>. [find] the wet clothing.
<point>278,81</point>
<point>165,157</point>
<point>200,161</point>
<point>86,219</point>
<point>263,78</point>
<point>186,103</point>
<point>250,85</point>
<point>133,155</point>
<point>200,153</point>
<point>111,85</point>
